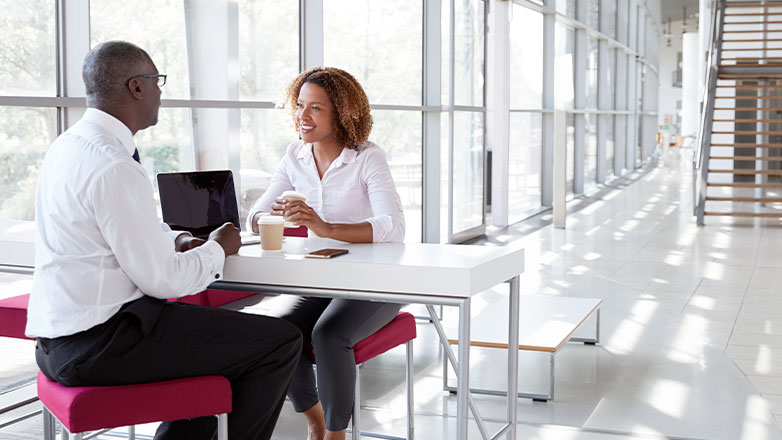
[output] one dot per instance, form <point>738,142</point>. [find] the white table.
<point>427,274</point>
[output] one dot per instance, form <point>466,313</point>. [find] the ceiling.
<point>672,9</point>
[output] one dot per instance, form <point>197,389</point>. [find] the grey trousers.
<point>333,326</point>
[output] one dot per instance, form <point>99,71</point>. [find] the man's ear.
<point>134,86</point>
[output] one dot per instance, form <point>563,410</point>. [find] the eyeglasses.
<point>161,78</point>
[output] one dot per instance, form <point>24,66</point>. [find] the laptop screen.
<point>198,201</point>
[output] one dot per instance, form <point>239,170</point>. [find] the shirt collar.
<point>113,126</point>
<point>347,155</point>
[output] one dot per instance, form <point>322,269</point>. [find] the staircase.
<point>740,138</point>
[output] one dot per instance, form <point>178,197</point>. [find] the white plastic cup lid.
<point>270,220</point>
<point>293,195</point>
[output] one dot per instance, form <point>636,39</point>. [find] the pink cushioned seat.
<point>82,409</point>
<point>400,330</point>
<point>13,316</point>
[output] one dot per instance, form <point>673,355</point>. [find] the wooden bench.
<point>546,323</point>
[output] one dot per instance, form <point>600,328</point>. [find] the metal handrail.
<point>701,157</point>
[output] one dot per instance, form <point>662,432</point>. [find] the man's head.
<point>120,80</point>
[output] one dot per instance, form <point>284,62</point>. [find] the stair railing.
<point>701,157</point>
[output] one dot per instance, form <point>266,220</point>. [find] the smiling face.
<point>316,115</point>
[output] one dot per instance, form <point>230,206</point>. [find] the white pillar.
<point>690,106</point>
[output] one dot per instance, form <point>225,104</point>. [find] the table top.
<point>435,269</point>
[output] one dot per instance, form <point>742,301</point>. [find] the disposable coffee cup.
<point>292,196</point>
<point>271,228</point>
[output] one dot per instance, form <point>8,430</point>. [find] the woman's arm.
<point>267,203</point>
<point>303,214</point>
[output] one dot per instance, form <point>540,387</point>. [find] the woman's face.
<point>316,114</point>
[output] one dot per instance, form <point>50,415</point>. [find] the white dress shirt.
<point>357,187</point>
<point>99,243</point>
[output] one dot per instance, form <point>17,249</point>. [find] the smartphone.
<point>327,253</point>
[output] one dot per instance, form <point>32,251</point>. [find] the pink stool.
<point>82,409</point>
<point>401,330</point>
<point>13,316</point>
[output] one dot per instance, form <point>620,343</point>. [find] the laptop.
<point>200,202</point>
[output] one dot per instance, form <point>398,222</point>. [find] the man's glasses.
<point>161,78</point>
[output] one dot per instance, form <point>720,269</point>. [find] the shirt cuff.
<point>218,257</point>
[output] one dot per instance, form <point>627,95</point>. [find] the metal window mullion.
<point>311,34</point>
<point>498,109</point>
<point>548,135</point>
<point>432,65</point>
<point>73,44</point>
<point>451,102</point>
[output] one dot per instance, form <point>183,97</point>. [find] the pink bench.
<point>13,316</point>
<point>82,409</point>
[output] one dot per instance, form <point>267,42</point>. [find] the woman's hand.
<point>277,208</point>
<point>302,214</point>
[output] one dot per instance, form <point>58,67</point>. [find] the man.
<point>104,268</point>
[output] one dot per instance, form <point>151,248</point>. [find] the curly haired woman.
<point>350,197</point>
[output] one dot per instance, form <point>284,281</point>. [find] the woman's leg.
<point>304,312</point>
<point>343,324</point>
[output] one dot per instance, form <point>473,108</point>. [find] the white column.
<point>498,107</point>
<point>73,45</point>
<point>690,107</point>
<point>213,62</point>
<point>547,153</point>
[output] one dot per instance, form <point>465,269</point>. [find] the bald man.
<point>105,268</point>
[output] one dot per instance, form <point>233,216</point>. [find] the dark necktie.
<point>135,156</point>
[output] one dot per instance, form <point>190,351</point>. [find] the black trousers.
<point>151,340</point>
<point>333,326</point>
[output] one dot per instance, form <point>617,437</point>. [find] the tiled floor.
<point>691,328</point>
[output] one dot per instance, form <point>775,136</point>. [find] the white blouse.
<point>356,188</point>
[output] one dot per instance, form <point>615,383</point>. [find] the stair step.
<point>752,5</point>
<point>748,158</point>
<point>745,49</point>
<point>752,22</point>
<point>769,109</point>
<point>748,75</point>
<point>752,40</point>
<point>749,172</point>
<point>772,133</point>
<point>751,58</point>
<point>749,66</point>
<point>771,121</point>
<point>753,14</point>
<point>756,31</point>
<point>748,86</point>
<point>743,199</point>
<point>745,214</point>
<point>748,145</point>
<point>748,97</point>
<point>745,185</point>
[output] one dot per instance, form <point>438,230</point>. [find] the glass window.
<point>399,134</point>
<point>26,135</point>
<point>27,48</point>
<point>593,14</point>
<point>564,38</point>
<point>467,171</point>
<point>268,48</point>
<point>158,28</point>
<point>168,145</point>
<point>590,152</point>
<point>591,74</point>
<point>469,56</point>
<point>566,7</point>
<point>526,58</point>
<point>571,154</point>
<point>609,18</point>
<point>380,43</point>
<point>608,121</point>
<point>264,137</point>
<point>524,164</point>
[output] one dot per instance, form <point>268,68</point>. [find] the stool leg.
<point>132,432</point>
<point>356,434</point>
<point>410,400</point>
<point>49,432</point>
<point>222,427</point>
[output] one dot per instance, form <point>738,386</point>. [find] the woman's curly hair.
<point>351,105</point>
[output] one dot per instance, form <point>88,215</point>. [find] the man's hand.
<point>185,242</point>
<point>228,237</point>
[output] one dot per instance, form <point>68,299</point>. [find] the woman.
<point>350,197</point>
